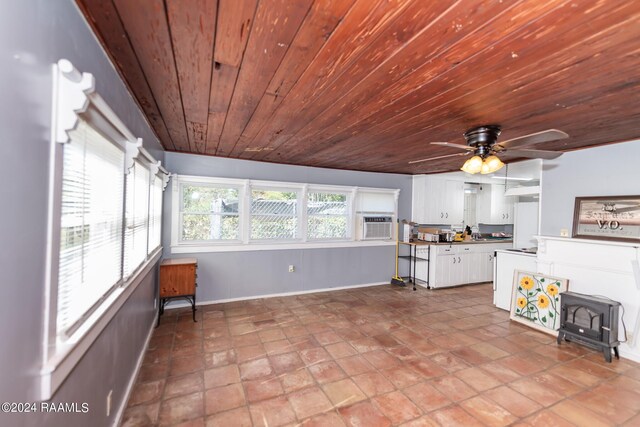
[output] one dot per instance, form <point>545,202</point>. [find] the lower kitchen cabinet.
<point>461,264</point>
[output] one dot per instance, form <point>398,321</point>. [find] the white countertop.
<point>507,251</point>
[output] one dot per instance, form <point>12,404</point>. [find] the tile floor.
<point>376,356</point>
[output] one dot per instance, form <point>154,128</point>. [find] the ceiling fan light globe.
<point>491,164</point>
<point>472,165</point>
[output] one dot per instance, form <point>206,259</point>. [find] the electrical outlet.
<point>109,396</point>
<point>291,269</point>
<point>564,232</point>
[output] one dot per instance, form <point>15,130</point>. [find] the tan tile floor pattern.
<point>376,356</point>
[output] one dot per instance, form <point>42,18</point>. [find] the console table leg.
<point>193,308</point>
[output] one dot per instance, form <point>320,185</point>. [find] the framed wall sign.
<point>607,218</point>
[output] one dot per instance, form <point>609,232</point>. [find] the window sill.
<point>201,248</point>
<point>65,357</point>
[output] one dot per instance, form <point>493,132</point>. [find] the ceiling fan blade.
<point>439,157</point>
<point>534,138</point>
<point>535,154</point>
<point>452,145</point>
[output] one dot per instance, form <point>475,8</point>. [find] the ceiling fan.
<point>482,142</point>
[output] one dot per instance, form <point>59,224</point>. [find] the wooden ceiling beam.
<point>361,27</point>
<point>105,21</point>
<point>192,27</point>
<point>234,24</point>
<point>146,24</point>
<point>317,28</point>
<point>275,25</point>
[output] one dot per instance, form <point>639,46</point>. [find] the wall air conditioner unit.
<point>377,228</point>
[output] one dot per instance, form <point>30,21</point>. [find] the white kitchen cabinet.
<point>492,206</point>
<point>454,202</point>
<point>443,271</point>
<point>501,205</point>
<point>437,200</point>
<point>418,194</point>
<point>461,264</point>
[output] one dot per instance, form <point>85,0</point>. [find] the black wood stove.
<point>590,320</point>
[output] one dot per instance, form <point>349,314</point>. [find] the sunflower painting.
<point>536,300</point>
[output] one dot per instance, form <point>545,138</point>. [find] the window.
<point>90,224</point>
<point>327,216</point>
<point>225,214</point>
<point>104,223</point>
<point>155,213</point>
<point>136,217</point>
<point>209,213</point>
<point>274,214</point>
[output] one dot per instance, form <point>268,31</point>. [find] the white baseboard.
<point>180,304</point>
<point>627,352</point>
<point>134,377</point>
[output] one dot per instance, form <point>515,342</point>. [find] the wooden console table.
<point>178,280</point>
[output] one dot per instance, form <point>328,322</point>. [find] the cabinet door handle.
<point>441,215</point>
<point>454,260</point>
<point>459,260</point>
<point>447,215</point>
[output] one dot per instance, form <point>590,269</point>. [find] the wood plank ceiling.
<point>367,84</point>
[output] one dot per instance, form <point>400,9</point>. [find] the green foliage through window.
<point>209,213</point>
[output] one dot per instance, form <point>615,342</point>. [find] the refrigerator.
<point>525,224</point>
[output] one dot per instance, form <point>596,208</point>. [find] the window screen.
<point>274,215</point>
<point>327,216</point>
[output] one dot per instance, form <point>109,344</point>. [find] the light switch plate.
<point>564,232</point>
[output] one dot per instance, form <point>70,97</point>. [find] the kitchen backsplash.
<point>482,228</point>
<point>495,228</point>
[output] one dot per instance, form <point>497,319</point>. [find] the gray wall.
<point>33,36</point>
<point>225,275</point>
<point>608,170</point>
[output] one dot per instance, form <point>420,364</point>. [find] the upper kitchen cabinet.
<point>501,205</point>
<point>493,206</point>
<point>437,200</point>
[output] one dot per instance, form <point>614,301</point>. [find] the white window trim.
<point>73,94</point>
<point>246,244</point>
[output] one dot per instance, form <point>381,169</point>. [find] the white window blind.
<point>327,216</point>
<point>274,214</point>
<point>375,202</point>
<point>91,224</point>
<point>155,214</point>
<point>136,218</point>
